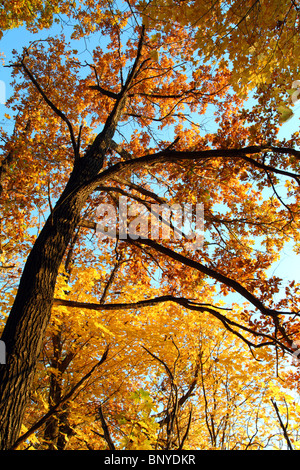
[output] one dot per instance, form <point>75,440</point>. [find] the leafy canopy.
<point>259,39</point>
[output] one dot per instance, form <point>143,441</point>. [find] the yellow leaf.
<point>155,55</point>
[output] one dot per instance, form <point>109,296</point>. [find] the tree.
<point>258,39</point>
<point>70,151</point>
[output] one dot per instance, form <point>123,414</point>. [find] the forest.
<point>149,232</point>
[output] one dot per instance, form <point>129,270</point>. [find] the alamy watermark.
<point>160,222</point>
<point>2,353</point>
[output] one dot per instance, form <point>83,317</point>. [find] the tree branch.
<point>170,155</point>
<point>103,140</point>
<point>209,272</point>
<point>106,432</point>
<point>54,108</point>
<point>108,93</point>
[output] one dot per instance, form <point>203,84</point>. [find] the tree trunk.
<point>30,313</point>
